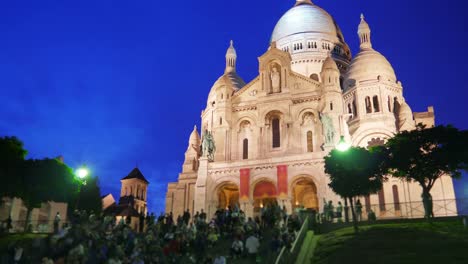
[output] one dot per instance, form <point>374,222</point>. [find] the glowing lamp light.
<point>342,145</point>
<point>82,173</point>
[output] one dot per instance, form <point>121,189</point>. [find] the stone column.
<point>200,186</point>
<point>287,202</point>
<point>247,207</point>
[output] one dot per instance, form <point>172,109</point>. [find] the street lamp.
<point>82,173</point>
<point>342,145</point>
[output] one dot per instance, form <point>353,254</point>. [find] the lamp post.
<point>343,146</point>
<point>81,173</point>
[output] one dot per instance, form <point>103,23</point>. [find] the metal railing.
<point>407,210</point>
<point>40,226</point>
<point>289,256</point>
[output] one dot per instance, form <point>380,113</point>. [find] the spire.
<point>231,57</point>
<point>364,33</point>
<point>300,2</point>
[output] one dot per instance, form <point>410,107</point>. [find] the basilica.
<point>269,137</point>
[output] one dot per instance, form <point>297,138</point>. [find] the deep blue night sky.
<point>115,83</point>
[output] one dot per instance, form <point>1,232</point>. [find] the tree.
<point>424,155</point>
<point>12,154</point>
<point>353,173</point>
<point>90,196</point>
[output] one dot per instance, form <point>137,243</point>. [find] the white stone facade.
<point>272,133</point>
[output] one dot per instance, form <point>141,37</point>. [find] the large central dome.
<point>306,17</point>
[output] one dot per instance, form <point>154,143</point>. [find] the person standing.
<point>330,211</point>
<point>339,211</point>
<point>252,244</point>
<point>358,210</point>
<point>57,222</point>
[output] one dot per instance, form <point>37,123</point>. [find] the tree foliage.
<point>37,181</point>
<point>426,154</point>
<point>12,154</point>
<point>353,173</point>
<point>90,196</point>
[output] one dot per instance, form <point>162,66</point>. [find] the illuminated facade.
<point>272,133</point>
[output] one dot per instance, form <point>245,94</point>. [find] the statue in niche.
<point>208,146</point>
<point>275,80</point>
<point>328,129</point>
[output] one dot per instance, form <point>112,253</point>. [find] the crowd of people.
<point>335,214</point>
<point>229,234</point>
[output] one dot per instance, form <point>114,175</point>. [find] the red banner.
<point>244,184</point>
<point>282,172</point>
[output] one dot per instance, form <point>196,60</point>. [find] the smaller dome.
<point>405,117</point>
<point>194,137</point>
<point>405,111</point>
<point>329,64</point>
<point>369,65</point>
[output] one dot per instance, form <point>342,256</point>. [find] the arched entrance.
<point>264,195</point>
<point>228,195</point>
<point>304,194</point>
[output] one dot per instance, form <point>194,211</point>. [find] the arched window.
<point>368,105</point>
<point>375,100</point>
<point>310,143</point>
<point>389,104</point>
<point>314,77</point>
<point>354,109</point>
<point>396,106</point>
<point>220,120</point>
<point>331,106</point>
<point>131,191</point>
<point>275,123</point>
<point>221,96</point>
<point>126,191</point>
<point>396,198</point>
<point>381,200</point>
<point>245,149</point>
<point>350,110</point>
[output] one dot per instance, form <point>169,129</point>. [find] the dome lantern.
<point>300,2</point>
<point>231,58</point>
<point>364,33</point>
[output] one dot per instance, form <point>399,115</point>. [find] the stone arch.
<point>304,192</point>
<point>243,118</point>
<point>271,114</point>
<point>227,194</point>
<point>359,138</point>
<point>299,114</point>
<point>258,179</point>
<point>264,192</point>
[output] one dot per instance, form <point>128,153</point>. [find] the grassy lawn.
<point>443,242</point>
<point>22,239</point>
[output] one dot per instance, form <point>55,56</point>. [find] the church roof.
<point>230,79</point>
<point>121,210</point>
<point>135,174</point>
<point>306,17</point>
